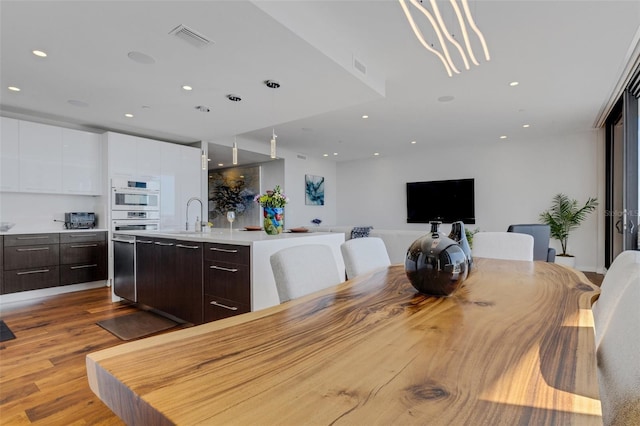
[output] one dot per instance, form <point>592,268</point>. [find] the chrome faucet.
<point>198,226</point>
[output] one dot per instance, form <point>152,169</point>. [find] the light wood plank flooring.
<point>43,377</point>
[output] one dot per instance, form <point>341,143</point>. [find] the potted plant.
<point>564,216</point>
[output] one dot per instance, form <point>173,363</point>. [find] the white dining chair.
<point>624,270</point>
<point>503,245</point>
<point>362,255</point>
<point>618,359</point>
<point>303,269</point>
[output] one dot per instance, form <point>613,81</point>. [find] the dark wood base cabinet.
<point>35,261</point>
<point>169,277</point>
<point>227,285</point>
<point>193,281</point>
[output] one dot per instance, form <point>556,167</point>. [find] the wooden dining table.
<point>514,345</point>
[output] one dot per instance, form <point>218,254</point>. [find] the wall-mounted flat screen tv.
<point>447,201</point>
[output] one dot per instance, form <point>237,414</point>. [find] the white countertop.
<point>51,231</point>
<point>237,236</point>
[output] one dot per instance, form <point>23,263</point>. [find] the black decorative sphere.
<point>436,264</point>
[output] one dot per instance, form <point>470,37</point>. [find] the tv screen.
<point>447,201</point>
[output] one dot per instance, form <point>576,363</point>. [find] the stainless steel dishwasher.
<point>124,266</point>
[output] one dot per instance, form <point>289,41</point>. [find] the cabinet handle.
<point>189,247</point>
<point>39,271</point>
<point>41,237</point>
<point>158,243</point>
<point>231,308</point>
<point>82,236</point>
<point>33,249</point>
<point>224,250</point>
<point>84,266</point>
<point>144,241</point>
<point>85,245</point>
<point>223,269</point>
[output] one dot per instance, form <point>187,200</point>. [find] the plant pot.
<point>569,261</point>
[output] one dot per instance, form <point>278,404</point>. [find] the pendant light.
<point>235,152</point>
<point>272,84</point>
<point>273,143</point>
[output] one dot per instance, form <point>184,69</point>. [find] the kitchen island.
<point>230,261</point>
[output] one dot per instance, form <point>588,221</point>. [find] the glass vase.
<point>273,220</point>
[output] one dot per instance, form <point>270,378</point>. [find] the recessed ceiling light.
<point>14,88</point>
<point>39,53</point>
<point>376,153</point>
<point>365,116</point>
<point>526,126</point>
<point>203,108</point>
<point>220,164</point>
<point>514,83</point>
<point>128,115</point>
<point>325,155</point>
<point>141,58</point>
<point>335,153</point>
<point>447,98</point>
<point>78,103</point>
<point>145,107</point>
<point>413,142</point>
<point>187,88</point>
<point>234,98</point>
<point>503,137</point>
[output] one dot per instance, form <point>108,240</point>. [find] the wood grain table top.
<point>514,345</point>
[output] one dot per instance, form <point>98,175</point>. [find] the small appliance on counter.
<point>79,220</point>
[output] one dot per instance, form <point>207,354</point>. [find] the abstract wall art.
<point>314,190</point>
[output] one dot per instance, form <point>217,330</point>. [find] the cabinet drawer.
<point>216,308</point>
<point>21,257</point>
<point>228,280</point>
<point>227,253</point>
<point>82,237</point>
<point>83,273</point>
<point>82,252</point>
<point>30,239</point>
<point>30,279</point>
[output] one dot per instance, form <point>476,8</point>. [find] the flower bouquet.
<point>273,203</point>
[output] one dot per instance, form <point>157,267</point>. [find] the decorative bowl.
<point>5,226</point>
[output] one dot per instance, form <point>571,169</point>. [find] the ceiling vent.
<point>190,36</point>
<point>359,66</point>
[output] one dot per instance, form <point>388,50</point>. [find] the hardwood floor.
<point>43,377</point>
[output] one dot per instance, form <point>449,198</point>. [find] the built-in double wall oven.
<point>135,205</point>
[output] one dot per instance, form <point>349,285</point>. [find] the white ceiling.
<point>567,56</point>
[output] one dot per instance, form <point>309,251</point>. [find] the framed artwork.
<point>234,189</point>
<point>314,190</point>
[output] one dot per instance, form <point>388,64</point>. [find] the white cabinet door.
<point>148,158</point>
<point>122,154</point>
<point>189,184</point>
<point>81,164</point>
<point>180,181</point>
<point>40,158</point>
<point>9,154</point>
<point>170,217</point>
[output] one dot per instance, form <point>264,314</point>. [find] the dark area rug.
<point>5,332</point>
<point>136,325</point>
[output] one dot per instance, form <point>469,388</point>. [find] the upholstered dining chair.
<point>503,245</point>
<point>362,255</point>
<point>541,235</point>
<point>617,354</point>
<point>624,270</point>
<point>303,269</point>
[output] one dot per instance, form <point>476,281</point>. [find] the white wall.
<point>296,166</point>
<point>36,212</point>
<point>514,182</point>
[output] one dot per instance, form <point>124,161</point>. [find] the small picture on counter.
<point>314,190</point>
